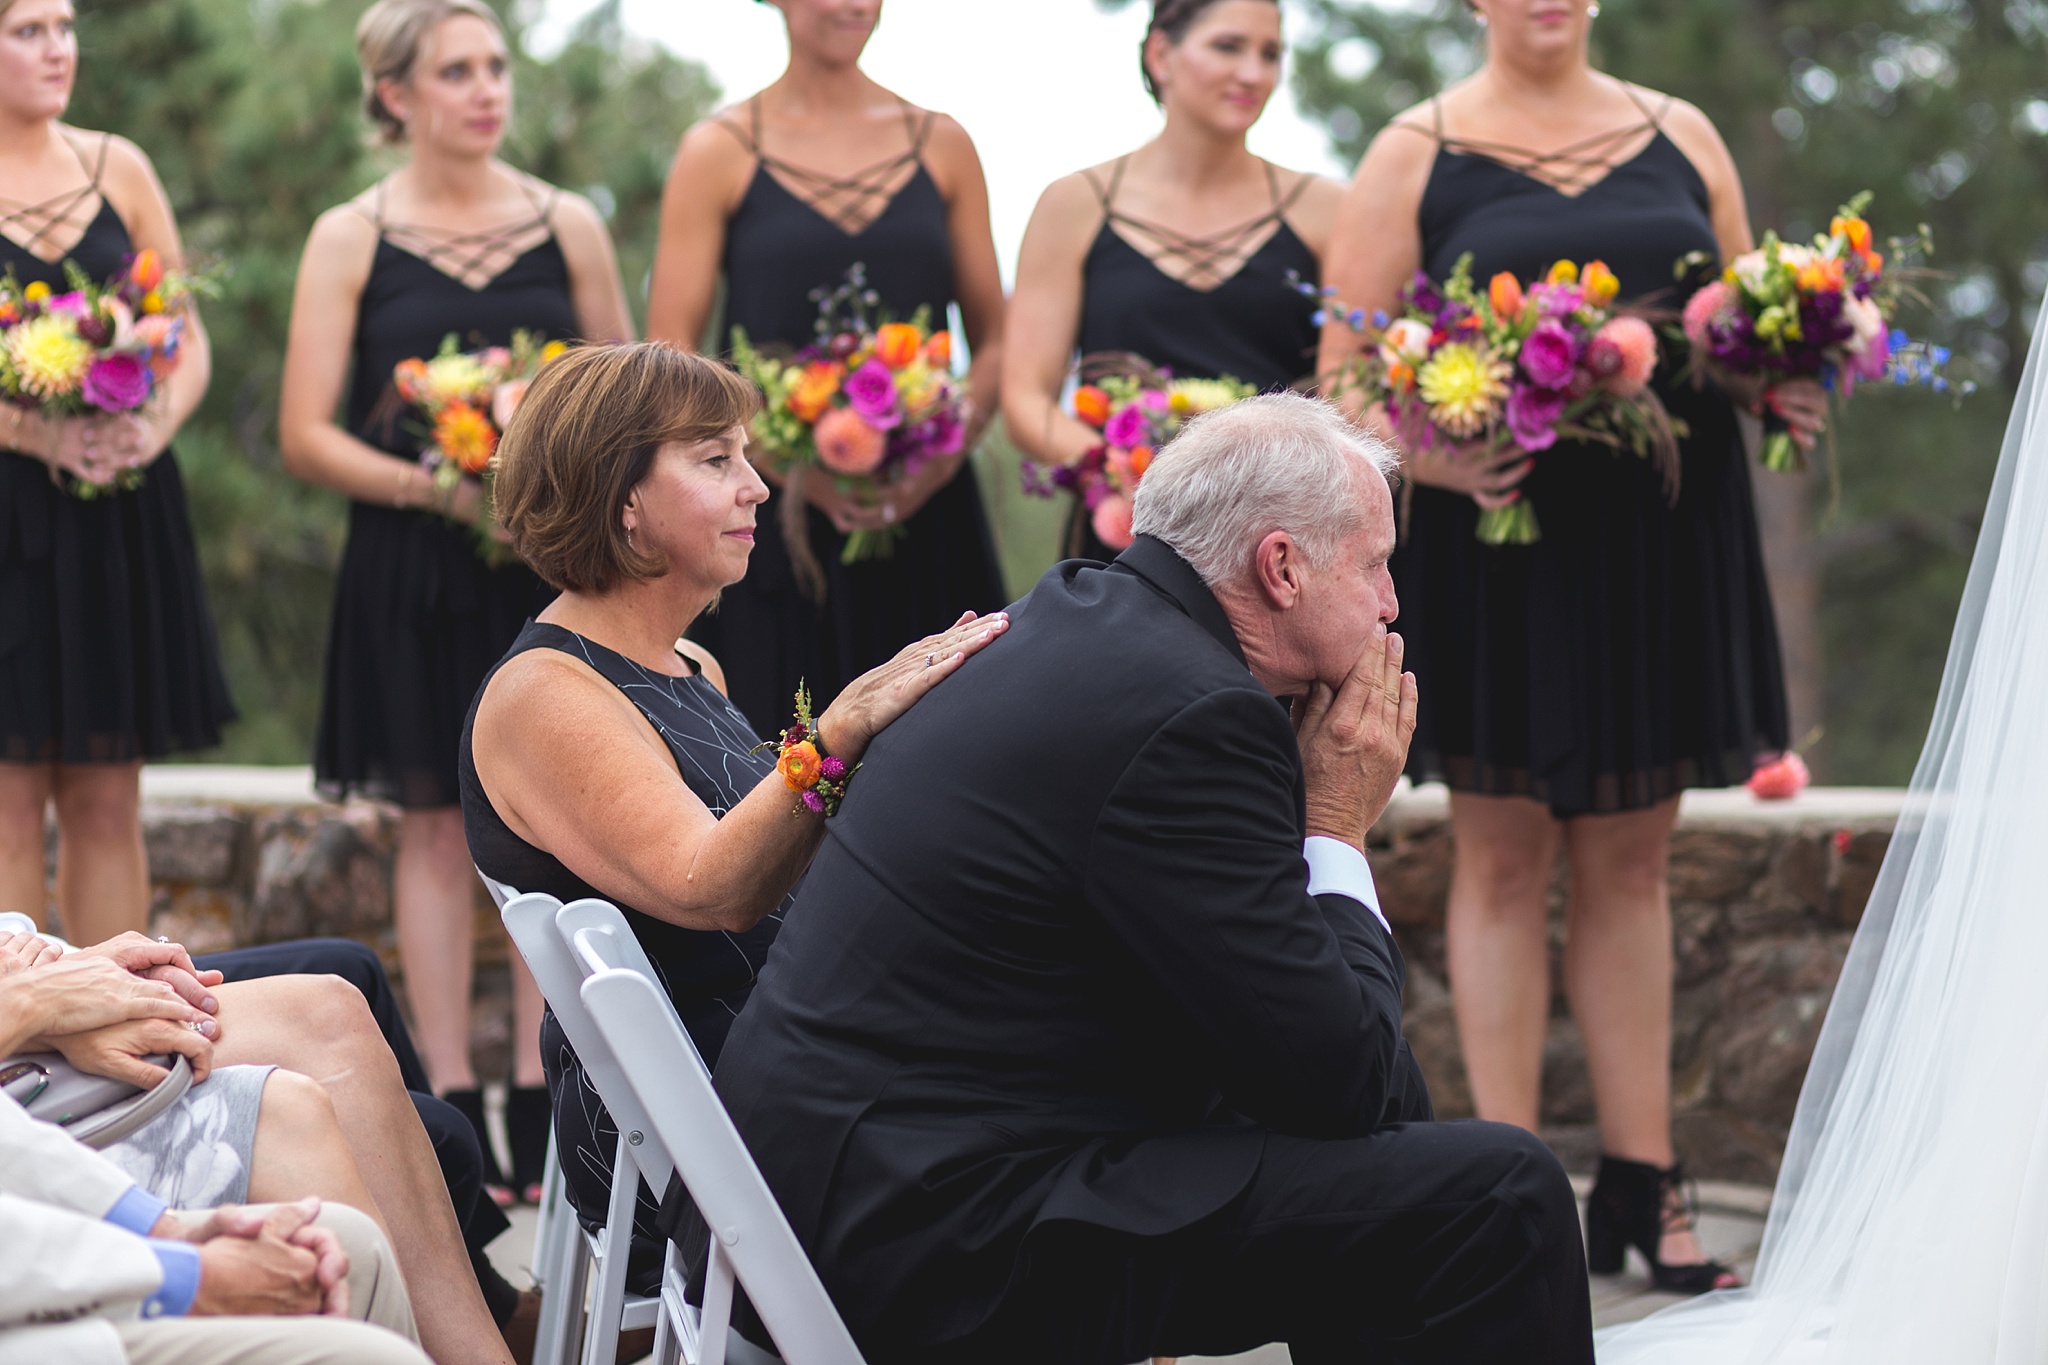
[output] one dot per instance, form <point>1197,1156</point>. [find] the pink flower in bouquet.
<point>871,390</point>
<point>1548,356</point>
<point>72,303</point>
<point>1129,427</point>
<point>505,401</point>
<point>158,334</point>
<point>1554,300</point>
<point>1870,349</point>
<point>1532,416</point>
<point>117,382</point>
<point>831,769</point>
<point>847,444</point>
<point>1112,521</point>
<point>1703,307</point>
<point>1780,780</point>
<point>496,358</point>
<point>1623,353</point>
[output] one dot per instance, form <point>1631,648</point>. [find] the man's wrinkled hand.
<point>250,1266</point>
<point>1354,741</point>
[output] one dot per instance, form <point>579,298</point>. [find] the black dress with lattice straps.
<point>107,648</point>
<point>795,231</point>
<point>1202,307</point>
<point>419,617</point>
<point>1632,651</point>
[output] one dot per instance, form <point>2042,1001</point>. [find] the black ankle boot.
<point>529,1117</point>
<point>470,1103</point>
<point>1634,1204</point>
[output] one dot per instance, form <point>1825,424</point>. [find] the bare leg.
<point>1496,940</point>
<point>24,793</point>
<point>300,1149</point>
<point>321,1027</point>
<point>1617,968</point>
<point>102,871</point>
<point>434,887</point>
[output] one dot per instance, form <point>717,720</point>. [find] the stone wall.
<point>1765,898</point>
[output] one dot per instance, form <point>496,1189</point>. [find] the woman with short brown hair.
<point>601,757</point>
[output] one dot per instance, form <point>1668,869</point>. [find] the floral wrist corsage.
<point>818,778</point>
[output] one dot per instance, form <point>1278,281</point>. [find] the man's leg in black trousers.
<point>353,962</point>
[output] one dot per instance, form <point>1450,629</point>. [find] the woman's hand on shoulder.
<point>871,702</point>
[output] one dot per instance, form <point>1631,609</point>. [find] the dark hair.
<point>1173,18</point>
<point>585,435</point>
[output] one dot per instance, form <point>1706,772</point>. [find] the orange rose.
<point>1855,230</point>
<point>1091,405</point>
<point>1400,375</point>
<point>847,444</point>
<point>1822,275</point>
<point>897,344</point>
<point>938,351</point>
<point>1600,284</point>
<point>799,766</point>
<point>148,269</point>
<point>1505,293</point>
<point>814,389</point>
<point>466,436</point>
<point>1141,460</point>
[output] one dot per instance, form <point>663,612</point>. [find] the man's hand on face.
<point>1354,741</point>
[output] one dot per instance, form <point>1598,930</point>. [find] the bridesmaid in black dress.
<point>454,242</point>
<point>1572,689</point>
<point>107,649</point>
<point>779,196</point>
<point>1180,251</point>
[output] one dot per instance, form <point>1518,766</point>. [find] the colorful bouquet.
<point>869,403</point>
<point>1513,367</point>
<point>1786,311</point>
<point>96,349</point>
<point>1137,407</point>
<point>467,399</point>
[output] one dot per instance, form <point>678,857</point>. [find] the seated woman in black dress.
<point>1179,252</point>
<point>601,757</point>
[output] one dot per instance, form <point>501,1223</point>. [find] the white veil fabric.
<point>1910,1222</point>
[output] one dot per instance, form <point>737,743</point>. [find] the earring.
<point>1593,10</point>
<point>1479,18</point>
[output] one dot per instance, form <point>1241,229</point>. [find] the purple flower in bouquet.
<point>72,303</point>
<point>117,383</point>
<point>871,393</point>
<point>1549,355</point>
<point>814,803</point>
<point>831,769</point>
<point>1557,300</point>
<point>1129,427</point>
<point>1423,294</point>
<point>1532,416</point>
<point>941,433</point>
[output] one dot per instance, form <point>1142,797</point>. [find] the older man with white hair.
<point>1082,1042</point>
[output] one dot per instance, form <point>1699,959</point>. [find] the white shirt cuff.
<point>1336,867</point>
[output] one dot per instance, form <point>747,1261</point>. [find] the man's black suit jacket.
<point>1057,959</point>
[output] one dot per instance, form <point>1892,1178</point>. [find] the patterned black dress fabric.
<point>708,975</point>
<point>107,647</point>
<point>1253,326</point>
<point>1631,652</point>
<point>418,617</point>
<point>779,247</point>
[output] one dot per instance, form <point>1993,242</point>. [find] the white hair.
<point>1278,462</point>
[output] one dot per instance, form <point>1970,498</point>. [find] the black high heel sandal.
<point>471,1105</point>
<point>1634,1204</point>
<point>529,1118</point>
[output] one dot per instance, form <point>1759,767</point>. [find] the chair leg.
<point>716,1322</point>
<point>561,1267</point>
<point>601,1334</point>
<point>673,1340</point>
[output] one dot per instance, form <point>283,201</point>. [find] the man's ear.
<point>1277,566</point>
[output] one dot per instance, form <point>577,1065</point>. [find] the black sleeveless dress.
<point>766,634</point>
<point>1253,326</point>
<point>1632,651</point>
<point>707,975</point>
<point>107,647</point>
<point>419,619</point>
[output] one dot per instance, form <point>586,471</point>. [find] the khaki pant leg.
<point>264,1341</point>
<point>376,1287</point>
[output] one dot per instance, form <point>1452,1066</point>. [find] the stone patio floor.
<point>1731,1226</point>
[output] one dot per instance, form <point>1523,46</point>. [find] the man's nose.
<point>1390,605</point>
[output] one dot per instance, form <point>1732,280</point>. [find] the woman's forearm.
<point>322,453</point>
<point>743,865</point>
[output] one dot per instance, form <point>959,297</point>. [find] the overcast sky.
<point>1044,86</point>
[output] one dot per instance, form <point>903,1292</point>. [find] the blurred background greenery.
<point>1939,106</point>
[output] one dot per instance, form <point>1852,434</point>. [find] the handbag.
<point>97,1110</point>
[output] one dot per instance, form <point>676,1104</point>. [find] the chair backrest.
<point>691,1126</point>
<point>501,894</point>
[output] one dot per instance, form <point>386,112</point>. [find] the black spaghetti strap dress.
<point>1631,652</point>
<point>419,618</point>
<point>1252,326</point>
<point>780,246</point>
<point>708,975</point>
<point>107,648</point>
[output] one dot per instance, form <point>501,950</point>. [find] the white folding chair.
<point>689,1131</point>
<point>564,1255</point>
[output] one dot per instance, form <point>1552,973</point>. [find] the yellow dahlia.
<point>1464,386</point>
<point>50,358</point>
<point>454,378</point>
<point>1203,395</point>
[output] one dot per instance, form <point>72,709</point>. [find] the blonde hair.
<point>388,41</point>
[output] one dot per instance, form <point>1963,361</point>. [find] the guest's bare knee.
<point>342,1033</point>
<point>100,806</point>
<point>1505,878</point>
<point>295,1109</point>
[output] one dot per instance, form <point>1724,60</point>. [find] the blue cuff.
<point>136,1211</point>
<point>173,1298</point>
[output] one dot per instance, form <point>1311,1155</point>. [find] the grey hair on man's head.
<point>1278,462</point>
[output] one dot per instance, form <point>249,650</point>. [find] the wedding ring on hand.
<point>930,659</point>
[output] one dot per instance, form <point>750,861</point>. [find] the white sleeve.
<point>56,1265</point>
<point>40,1161</point>
<point>1336,868</point>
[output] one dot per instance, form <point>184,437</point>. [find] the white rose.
<point>1406,339</point>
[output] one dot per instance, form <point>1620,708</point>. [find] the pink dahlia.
<point>847,444</point>
<point>1624,354</point>
<point>1703,307</point>
<point>1112,521</point>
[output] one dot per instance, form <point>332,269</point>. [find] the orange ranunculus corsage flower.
<point>799,766</point>
<point>814,388</point>
<point>897,344</point>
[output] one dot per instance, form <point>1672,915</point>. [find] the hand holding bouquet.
<point>1785,311</point>
<point>467,399</point>
<point>96,350</point>
<point>1137,408</point>
<point>1513,368</point>
<point>870,404</point>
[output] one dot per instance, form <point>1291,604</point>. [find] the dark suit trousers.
<point>1437,1242</point>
